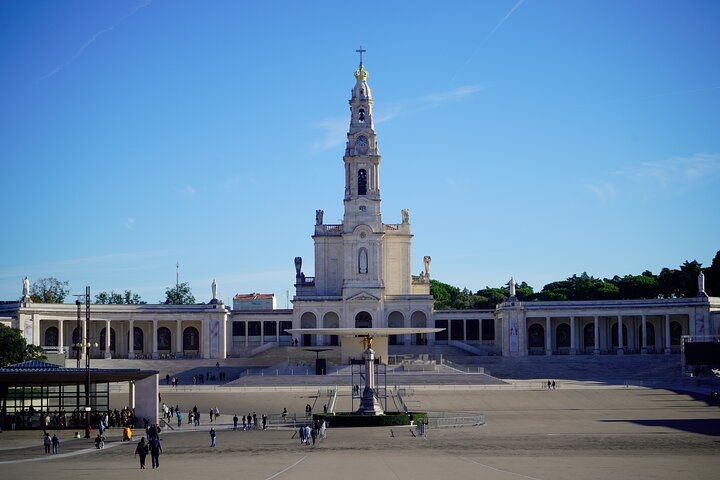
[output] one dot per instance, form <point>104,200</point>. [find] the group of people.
<point>308,434</point>
<point>250,421</point>
<point>49,443</point>
<point>551,385</point>
<point>152,447</point>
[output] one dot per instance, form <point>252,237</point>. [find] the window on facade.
<point>456,330</point>
<point>675,333</point>
<point>562,335</point>
<point>269,329</point>
<point>254,329</point>
<point>472,330</point>
<point>112,339</point>
<point>51,337</point>
<point>362,182</point>
<point>138,339</point>
<point>589,335</point>
<point>284,325</point>
<point>361,115</point>
<point>363,320</point>
<point>238,329</point>
<point>441,336</point>
<point>163,338</point>
<point>488,330</point>
<point>191,339</point>
<point>536,336</point>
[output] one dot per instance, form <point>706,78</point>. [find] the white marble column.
<point>667,333</point>
<point>643,350</point>
<point>131,339</point>
<point>178,339</point>
<point>108,353</point>
<point>596,348</point>
<point>620,350</point>
<point>155,353</point>
<point>573,348</point>
<point>61,336</point>
<point>548,336</point>
<point>205,340</point>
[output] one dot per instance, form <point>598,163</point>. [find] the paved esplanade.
<point>576,432</point>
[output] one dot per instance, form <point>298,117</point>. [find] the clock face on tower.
<point>361,144</point>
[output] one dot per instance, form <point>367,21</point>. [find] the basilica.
<point>362,278</point>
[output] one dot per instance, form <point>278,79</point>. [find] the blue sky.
<point>530,138</point>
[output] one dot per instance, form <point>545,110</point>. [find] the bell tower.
<point>362,159</point>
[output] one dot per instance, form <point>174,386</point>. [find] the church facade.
<point>363,266</point>
<point>362,278</point>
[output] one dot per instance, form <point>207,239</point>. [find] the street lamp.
<point>86,344</point>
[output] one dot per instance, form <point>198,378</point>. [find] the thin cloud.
<point>336,128</point>
<point>674,171</point>
<point>95,36</point>
<point>130,224</point>
<point>604,191</point>
<point>487,37</point>
<point>189,190</point>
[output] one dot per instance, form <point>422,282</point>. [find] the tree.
<point>712,277</point>
<point>179,295</point>
<point>14,348</point>
<point>49,290</point>
<point>115,298</point>
<point>445,295</point>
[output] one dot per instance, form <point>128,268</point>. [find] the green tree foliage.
<point>49,290</point>
<point>116,298</point>
<point>638,286</point>
<point>14,348</point>
<point>179,295</point>
<point>580,287</point>
<point>712,277</point>
<point>445,295</point>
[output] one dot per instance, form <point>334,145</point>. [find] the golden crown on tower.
<point>361,74</point>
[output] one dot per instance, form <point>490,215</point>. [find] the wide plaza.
<point>583,429</point>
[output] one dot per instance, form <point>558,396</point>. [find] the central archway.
<point>363,320</point>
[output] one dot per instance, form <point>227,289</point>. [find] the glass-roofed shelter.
<point>30,392</point>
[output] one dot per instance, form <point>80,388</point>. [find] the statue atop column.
<point>512,284</point>
<point>319,217</point>
<point>26,290</point>
<point>701,285</point>
<point>426,262</point>
<point>298,266</point>
<point>405,215</point>
<point>214,290</point>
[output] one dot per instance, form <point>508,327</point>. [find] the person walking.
<point>212,437</point>
<point>55,441</point>
<point>284,415</point>
<point>155,451</point>
<point>47,442</point>
<point>142,450</point>
<point>179,418</point>
<point>212,414</point>
<point>235,422</point>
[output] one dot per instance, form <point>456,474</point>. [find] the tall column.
<point>247,333</point>
<point>155,353</point>
<point>573,348</point>
<point>61,336</point>
<point>643,350</point>
<point>205,343</point>
<point>667,333</point>
<point>108,354</point>
<point>548,337</point>
<point>596,348</point>
<point>131,339</point>
<point>620,350</point>
<point>178,339</point>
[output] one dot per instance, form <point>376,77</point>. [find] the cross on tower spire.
<point>361,51</point>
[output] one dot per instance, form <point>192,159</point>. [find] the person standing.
<point>284,415</point>
<point>212,437</point>
<point>235,422</point>
<point>142,450</point>
<point>47,442</point>
<point>155,451</point>
<point>264,421</point>
<point>55,441</point>
<point>179,418</point>
<point>212,414</point>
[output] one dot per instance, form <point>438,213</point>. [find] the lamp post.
<point>86,344</point>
